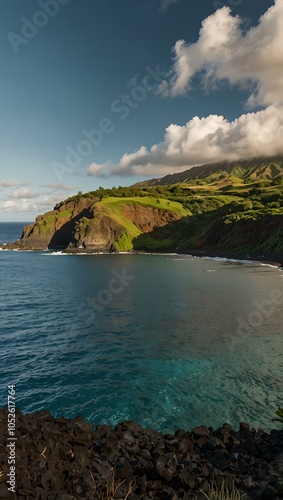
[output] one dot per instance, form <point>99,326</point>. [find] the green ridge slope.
<point>229,207</point>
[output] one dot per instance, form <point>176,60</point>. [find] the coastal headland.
<point>229,209</point>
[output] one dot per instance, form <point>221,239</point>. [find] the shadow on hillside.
<point>171,236</point>
<point>65,235</point>
<point>207,231</point>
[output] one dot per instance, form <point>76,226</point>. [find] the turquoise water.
<point>162,346</point>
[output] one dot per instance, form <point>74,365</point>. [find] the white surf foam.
<point>269,265</point>
<point>54,253</point>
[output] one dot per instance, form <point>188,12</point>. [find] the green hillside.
<point>226,207</point>
<point>219,174</point>
<point>114,207</point>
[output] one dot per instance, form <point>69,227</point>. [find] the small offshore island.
<point>229,209</point>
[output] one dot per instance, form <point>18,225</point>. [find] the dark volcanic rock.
<point>64,459</point>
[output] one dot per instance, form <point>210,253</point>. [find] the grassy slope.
<point>148,201</point>
<point>48,222</point>
<point>243,192</point>
<point>240,171</point>
<point>113,207</point>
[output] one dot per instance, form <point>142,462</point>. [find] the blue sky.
<point>112,74</point>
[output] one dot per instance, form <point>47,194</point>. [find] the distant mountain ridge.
<point>246,170</point>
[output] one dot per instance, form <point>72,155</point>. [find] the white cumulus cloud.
<point>44,202</point>
<point>24,194</point>
<point>225,52</point>
<point>205,140</point>
<point>18,206</point>
<point>9,204</point>
<point>99,170</point>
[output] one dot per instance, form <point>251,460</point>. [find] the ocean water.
<point>11,231</point>
<point>169,341</point>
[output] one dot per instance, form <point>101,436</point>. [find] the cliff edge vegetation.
<point>230,207</point>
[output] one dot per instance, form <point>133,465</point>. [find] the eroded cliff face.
<point>86,225</point>
<point>94,225</point>
<point>55,229</point>
<point>97,235</point>
<point>146,219</point>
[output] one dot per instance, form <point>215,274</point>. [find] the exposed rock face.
<point>69,459</point>
<point>86,225</point>
<point>114,224</point>
<point>148,218</point>
<point>97,235</point>
<point>55,229</point>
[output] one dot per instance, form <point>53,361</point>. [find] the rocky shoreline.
<point>271,259</point>
<point>61,459</point>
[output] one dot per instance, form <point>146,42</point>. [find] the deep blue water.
<point>11,231</point>
<point>162,346</point>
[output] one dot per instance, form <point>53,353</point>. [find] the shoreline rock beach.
<point>265,259</point>
<point>64,459</point>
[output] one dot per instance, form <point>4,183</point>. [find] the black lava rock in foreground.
<point>60,459</point>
